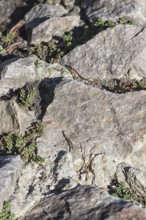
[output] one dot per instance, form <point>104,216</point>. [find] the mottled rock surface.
<point>7,8</point>
<point>45,21</point>
<point>85,202</point>
<point>115,53</point>
<point>16,72</point>
<point>92,137</point>
<point>13,118</point>
<point>42,12</point>
<point>70,3</point>
<point>10,171</point>
<point>55,26</point>
<point>115,9</point>
<point>88,133</point>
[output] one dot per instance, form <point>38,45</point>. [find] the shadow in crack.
<point>46,92</point>
<point>61,184</point>
<point>4,160</point>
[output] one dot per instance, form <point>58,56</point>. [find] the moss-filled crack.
<point>13,143</point>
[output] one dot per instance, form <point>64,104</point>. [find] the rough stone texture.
<point>42,12</point>
<point>55,26</point>
<point>10,171</point>
<point>55,2</point>
<point>134,178</point>
<point>13,118</point>
<point>16,72</point>
<point>35,21</point>
<point>107,125</point>
<point>115,53</point>
<point>85,203</point>
<point>115,9</point>
<point>69,3</point>
<point>114,123</point>
<point>88,133</point>
<point>7,8</point>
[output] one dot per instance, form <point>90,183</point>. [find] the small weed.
<point>124,20</point>
<point>6,214</point>
<point>5,41</point>
<point>68,38</point>
<point>120,190</point>
<point>14,144</point>
<point>2,50</point>
<point>6,38</point>
<point>50,52</point>
<point>25,97</point>
<point>100,23</point>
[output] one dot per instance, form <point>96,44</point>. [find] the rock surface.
<point>118,128</point>
<point>16,72</point>
<point>70,4</point>
<point>115,53</point>
<point>89,132</point>
<point>114,9</point>
<point>13,118</point>
<point>55,26</point>
<point>7,8</point>
<point>10,171</point>
<point>41,26</point>
<point>91,136</point>
<point>42,12</point>
<point>85,202</point>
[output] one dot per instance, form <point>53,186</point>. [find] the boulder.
<point>16,72</point>
<point>45,21</point>
<point>115,9</point>
<point>114,53</point>
<point>88,133</point>
<point>41,12</point>
<point>85,202</point>
<point>97,128</point>
<point>55,26</point>
<point>7,8</point>
<point>13,118</point>
<point>10,171</point>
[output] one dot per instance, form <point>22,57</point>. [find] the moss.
<point>6,214</point>
<point>26,96</point>
<point>13,144</point>
<point>122,191</point>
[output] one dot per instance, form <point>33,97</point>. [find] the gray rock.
<point>115,53</point>
<point>36,17</point>
<point>10,171</point>
<point>69,3</point>
<point>115,9</point>
<point>16,72</point>
<point>104,129</point>
<point>42,12</point>
<point>85,202</point>
<point>55,26</point>
<point>88,133</point>
<point>7,8</point>
<point>13,118</point>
